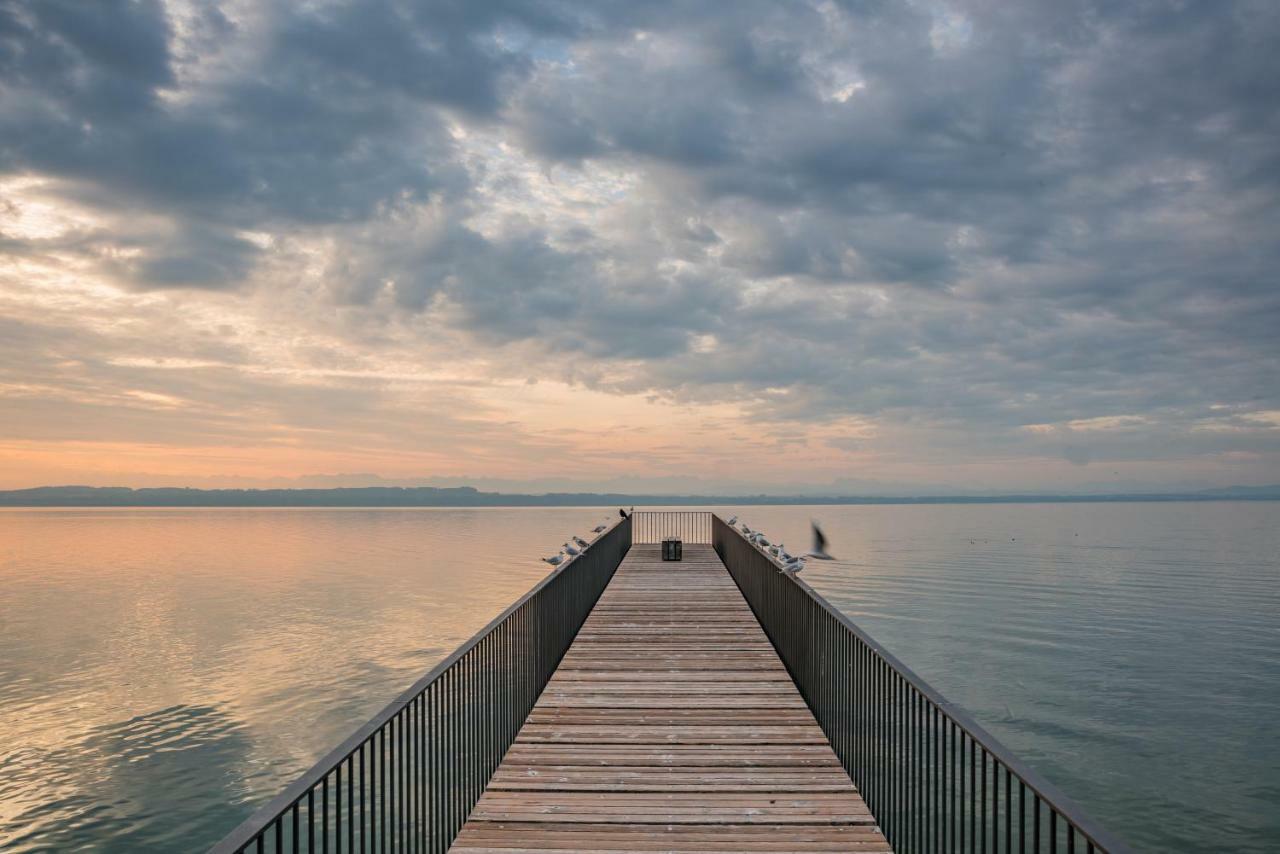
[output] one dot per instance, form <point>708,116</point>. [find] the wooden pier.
<point>670,725</point>
<point>712,704</point>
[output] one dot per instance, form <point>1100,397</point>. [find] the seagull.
<point>571,551</point>
<point>599,529</point>
<point>745,529</point>
<point>556,559</point>
<point>819,550</point>
<point>775,548</point>
<point>761,541</point>
<point>786,558</point>
<point>582,544</point>
<point>793,566</point>
<point>733,521</point>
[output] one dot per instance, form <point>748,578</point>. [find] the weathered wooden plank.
<point>670,725</point>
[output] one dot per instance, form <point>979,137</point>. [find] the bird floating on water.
<point>819,550</point>
<point>556,559</point>
<point>571,551</point>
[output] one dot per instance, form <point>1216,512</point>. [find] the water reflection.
<point>162,672</point>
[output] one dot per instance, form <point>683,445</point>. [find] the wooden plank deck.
<point>670,725</point>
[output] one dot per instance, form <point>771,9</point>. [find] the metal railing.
<point>934,779</point>
<point>407,779</point>
<point>654,526</point>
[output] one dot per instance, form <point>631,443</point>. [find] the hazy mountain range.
<point>465,496</point>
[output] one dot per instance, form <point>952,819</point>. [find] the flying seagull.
<point>571,551</point>
<point>555,560</point>
<point>819,550</point>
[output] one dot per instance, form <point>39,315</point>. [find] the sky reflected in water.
<point>162,672</point>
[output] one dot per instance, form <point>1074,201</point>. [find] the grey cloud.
<point>983,215</point>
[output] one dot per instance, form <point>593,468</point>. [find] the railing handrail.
<point>248,830</point>
<point>693,526</point>
<point>1050,793</point>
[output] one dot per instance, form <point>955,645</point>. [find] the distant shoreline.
<point>379,496</point>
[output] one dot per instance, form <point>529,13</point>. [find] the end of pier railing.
<point>408,778</point>
<point>934,779</point>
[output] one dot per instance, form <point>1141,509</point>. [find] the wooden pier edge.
<point>670,725</point>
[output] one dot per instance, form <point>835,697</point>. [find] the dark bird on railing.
<point>599,529</point>
<point>819,550</point>
<point>556,559</point>
<point>571,551</point>
<point>622,513</point>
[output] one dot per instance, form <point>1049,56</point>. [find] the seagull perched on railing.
<point>745,529</point>
<point>733,521</point>
<point>556,559</point>
<point>599,529</point>
<point>793,566</point>
<point>571,551</point>
<point>582,544</point>
<point>819,550</point>
<point>775,549</point>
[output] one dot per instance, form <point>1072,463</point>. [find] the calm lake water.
<point>163,672</point>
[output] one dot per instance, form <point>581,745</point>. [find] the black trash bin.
<point>672,550</point>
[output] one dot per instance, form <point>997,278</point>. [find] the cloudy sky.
<point>864,245</point>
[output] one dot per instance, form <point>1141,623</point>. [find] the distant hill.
<point>465,496</point>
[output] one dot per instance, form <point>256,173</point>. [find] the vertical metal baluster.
<point>995,799</point>
<point>1008,810</point>
<point>324,814</point>
<point>1035,805</point>
<point>1022,816</point>
<point>382,788</point>
<point>956,799</point>
<point>364,797</point>
<point>973,794</point>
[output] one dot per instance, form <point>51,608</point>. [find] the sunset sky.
<point>833,246</point>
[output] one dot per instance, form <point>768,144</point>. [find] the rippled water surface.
<point>162,672</point>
